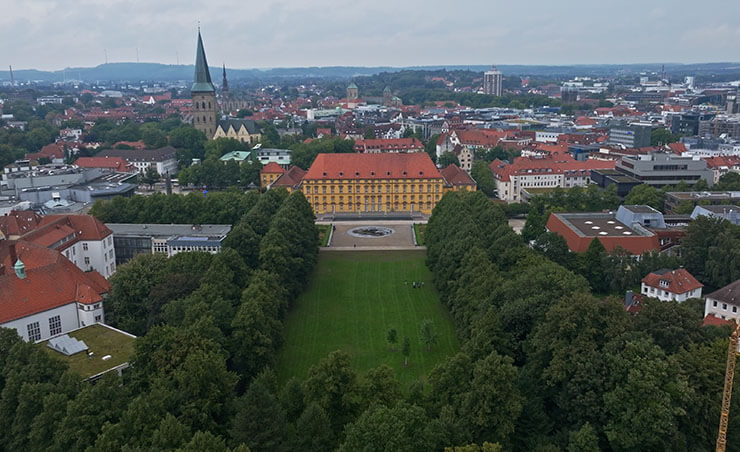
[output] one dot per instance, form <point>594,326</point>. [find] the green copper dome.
<point>20,269</point>
<point>202,81</point>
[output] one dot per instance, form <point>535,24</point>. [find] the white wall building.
<point>666,285</point>
<point>43,294</point>
<point>724,303</point>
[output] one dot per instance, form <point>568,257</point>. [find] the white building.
<point>43,294</point>
<point>493,82</point>
<point>83,239</point>
<point>170,239</point>
<point>164,160</point>
<point>676,285</point>
<point>547,172</point>
<point>724,303</point>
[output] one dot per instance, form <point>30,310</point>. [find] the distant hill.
<point>136,72</point>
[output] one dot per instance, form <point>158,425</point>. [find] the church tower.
<point>203,93</point>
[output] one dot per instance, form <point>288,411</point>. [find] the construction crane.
<point>732,352</point>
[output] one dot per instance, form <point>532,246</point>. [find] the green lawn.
<point>352,301</point>
<point>101,341</point>
<point>419,229</point>
<point>323,233</point>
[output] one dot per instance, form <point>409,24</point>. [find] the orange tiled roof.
<point>272,167</point>
<point>291,178</point>
<point>114,163</point>
<point>555,163</point>
<point>453,175</point>
<point>679,281</point>
<point>51,281</point>
<point>373,166</point>
<point>19,222</point>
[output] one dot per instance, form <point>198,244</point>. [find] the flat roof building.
<point>131,239</point>
<point>625,228</point>
<point>660,169</point>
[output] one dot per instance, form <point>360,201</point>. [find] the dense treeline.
<point>208,326</point>
<point>585,375</point>
<point>225,207</point>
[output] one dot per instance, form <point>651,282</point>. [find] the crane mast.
<point>727,394</point>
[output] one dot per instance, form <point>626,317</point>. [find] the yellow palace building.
<point>393,182</point>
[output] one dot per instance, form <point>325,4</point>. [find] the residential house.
<point>671,285</point>
<point>724,303</point>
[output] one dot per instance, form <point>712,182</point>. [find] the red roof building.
<point>43,294</point>
<point>17,223</point>
<point>373,182</point>
<point>270,173</point>
<point>291,179</point>
<point>456,179</point>
<point>558,169</point>
<point>54,152</point>
<point>111,163</point>
<point>580,229</point>
<point>83,239</point>
<point>671,285</point>
<point>389,145</point>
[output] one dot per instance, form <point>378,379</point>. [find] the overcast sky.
<point>53,34</point>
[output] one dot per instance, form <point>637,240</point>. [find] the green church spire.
<point>202,82</point>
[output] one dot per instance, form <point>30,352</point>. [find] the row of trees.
<point>224,207</point>
<point>586,375</point>
<point>207,326</point>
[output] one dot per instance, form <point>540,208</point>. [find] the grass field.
<point>353,299</point>
<point>324,230</point>
<point>419,229</point>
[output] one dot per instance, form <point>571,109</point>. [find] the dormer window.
<point>404,173</point>
<point>372,173</point>
<point>387,173</point>
<point>357,173</point>
<point>341,174</point>
<point>664,283</point>
<point>324,173</point>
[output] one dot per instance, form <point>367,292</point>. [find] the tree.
<point>428,333</point>
<point>404,428</point>
<point>448,158</point>
<point>431,147</point>
<point>333,385</point>
<point>593,266</point>
<point>392,338</point>
<point>661,136</point>
<point>313,430</point>
<point>380,386</point>
<point>646,195</point>
<point>729,181</point>
<point>483,178</point>
<point>584,439</point>
<point>369,133</point>
<point>406,350</point>
<point>149,177</point>
<point>260,421</point>
<point>646,390</point>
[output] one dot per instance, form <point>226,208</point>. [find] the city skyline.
<point>47,35</point>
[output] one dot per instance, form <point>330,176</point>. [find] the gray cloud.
<point>47,34</point>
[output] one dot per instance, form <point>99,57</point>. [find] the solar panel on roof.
<point>67,345</point>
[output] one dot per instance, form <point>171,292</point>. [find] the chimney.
<point>13,255</point>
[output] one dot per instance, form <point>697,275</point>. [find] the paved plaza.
<point>367,235</point>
